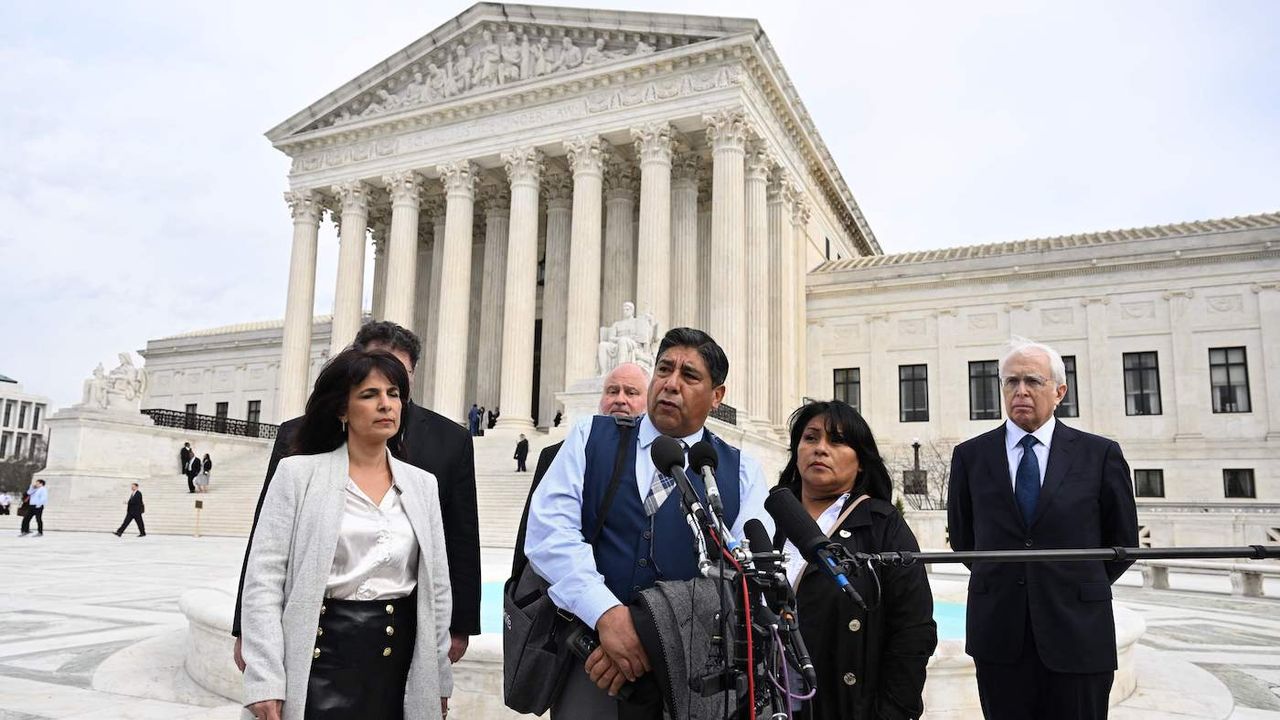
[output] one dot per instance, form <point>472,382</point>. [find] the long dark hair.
<point>844,425</point>
<point>321,431</point>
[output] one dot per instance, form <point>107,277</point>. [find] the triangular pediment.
<point>498,47</point>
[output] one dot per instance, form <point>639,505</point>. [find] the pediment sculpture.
<point>630,340</point>
<point>490,61</point>
<point>119,390</point>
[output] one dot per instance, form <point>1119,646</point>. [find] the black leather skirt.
<point>361,659</point>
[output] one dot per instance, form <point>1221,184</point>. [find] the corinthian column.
<point>653,253</point>
<point>684,240</point>
<point>455,290</point>
<point>800,246</point>
<point>704,251</point>
<point>758,164</point>
<point>422,301</point>
<point>727,134</point>
<point>782,300</point>
<point>380,230</point>
<point>524,168</point>
<point>295,351</point>
<point>496,201</point>
<point>587,156</point>
<point>618,284</point>
<point>406,194</point>
<point>555,292</point>
<point>347,298</point>
<point>426,375</point>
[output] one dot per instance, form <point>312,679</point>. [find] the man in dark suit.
<point>134,512</point>
<point>1041,634</point>
<point>439,446</point>
<point>522,453</point>
<point>624,394</point>
<point>194,468</point>
<point>184,457</point>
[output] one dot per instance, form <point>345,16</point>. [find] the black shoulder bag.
<point>535,663</point>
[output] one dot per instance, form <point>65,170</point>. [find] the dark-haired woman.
<point>870,663</point>
<point>346,596</point>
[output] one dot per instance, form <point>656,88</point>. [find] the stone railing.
<point>1246,577</point>
<point>210,423</point>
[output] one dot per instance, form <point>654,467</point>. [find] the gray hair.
<point>1020,346</point>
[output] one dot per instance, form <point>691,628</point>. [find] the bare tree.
<point>935,462</point>
<point>16,472</point>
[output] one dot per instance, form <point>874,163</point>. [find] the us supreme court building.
<point>521,172</point>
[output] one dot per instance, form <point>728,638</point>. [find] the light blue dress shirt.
<point>1014,434</point>
<point>39,496</point>
<point>554,542</point>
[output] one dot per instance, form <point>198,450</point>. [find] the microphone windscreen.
<point>666,453</point>
<point>701,455</point>
<point>759,542</point>
<point>794,522</point>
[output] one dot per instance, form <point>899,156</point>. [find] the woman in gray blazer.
<point>346,596</point>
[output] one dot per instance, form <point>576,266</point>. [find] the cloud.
<point>138,197</point>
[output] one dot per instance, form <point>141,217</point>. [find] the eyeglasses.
<point>1033,382</point>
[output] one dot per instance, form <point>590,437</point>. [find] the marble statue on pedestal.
<point>630,339</point>
<point>119,390</point>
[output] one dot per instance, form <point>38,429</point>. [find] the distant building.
<point>22,421</point>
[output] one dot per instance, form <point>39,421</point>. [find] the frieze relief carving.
<point>845,337</point>
<point>1137,311</point>
<point>494,59</point>
<point>1057,316</point>
<point>1225,303</point>
<point>983,321</point>
<point>913,326</point>
<point>690,83</point>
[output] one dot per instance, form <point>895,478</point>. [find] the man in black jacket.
<point>442,448</point>
<point>134,512</point>
<point>1042,635</point>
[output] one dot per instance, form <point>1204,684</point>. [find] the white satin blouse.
<point>377,553</point>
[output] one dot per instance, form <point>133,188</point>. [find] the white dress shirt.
<point>825,521</point>
<point>377,553</point>
<point>554,540</point>
<point>1014,434</point>
<point>39,496</point>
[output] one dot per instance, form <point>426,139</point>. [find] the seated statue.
<point>630,339</point>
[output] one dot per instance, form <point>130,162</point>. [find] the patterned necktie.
<point>1027,486</point>
<point>660,488</point>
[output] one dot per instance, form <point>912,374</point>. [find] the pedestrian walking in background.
<point>202,480</point>
<point>522,452</point>
<point>134,512</point>
<point>193,469</point>
<point>36,497</point>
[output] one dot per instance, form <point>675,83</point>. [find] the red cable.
<point>746,611</point>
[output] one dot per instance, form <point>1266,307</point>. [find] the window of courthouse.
<point>1070,405</point>
<point>1238,483</point>
<point>1141,384</point>
<point>1148,483</point>
<point>913,393</point>
<point>1229,380</point>
<point>984,390</point>
<point>847,386</point>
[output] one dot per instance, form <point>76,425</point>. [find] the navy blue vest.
<point>629,554</point>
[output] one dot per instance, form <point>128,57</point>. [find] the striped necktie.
<point>660,488</point>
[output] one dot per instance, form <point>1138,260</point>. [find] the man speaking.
<point>1041,633</point>
<point>643,537</point>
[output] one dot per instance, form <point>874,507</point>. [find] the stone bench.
<point>1246,577</point>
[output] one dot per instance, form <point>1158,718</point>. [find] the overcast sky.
<point>139,198</point>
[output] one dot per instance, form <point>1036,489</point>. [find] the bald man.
<point>623,394</point>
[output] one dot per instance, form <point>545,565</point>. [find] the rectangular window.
<point>1141,384</point>
<point>17,446</point>
<point>984,390</point>
<point>913,393</point>
<point>220,416</point>
<point>8,413</point>
<point>33,446</point>
<point>1070,406</point>
<point>22,415</point>
<point>254,413</point>
<point>848,386</point>
<point>35,419</point>
<point>1148,483</point>
<point>1238,483</point>
<point>1229,380</point>
<point>190,420</point>
<point>5,439</point>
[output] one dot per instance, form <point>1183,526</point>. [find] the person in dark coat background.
<point>870,663</point>
<point>522,454</point>
<point>194,468</point>
<point>184,457</point>
<point>134,512</point>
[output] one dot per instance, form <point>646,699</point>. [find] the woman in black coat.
<point>870,663</point>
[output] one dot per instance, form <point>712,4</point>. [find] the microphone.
<point>805,534</point>
<point>760,542</point>
<point>703,460</point>
<point>668,456</point>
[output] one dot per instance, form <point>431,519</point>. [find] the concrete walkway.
<point>90,627</point>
